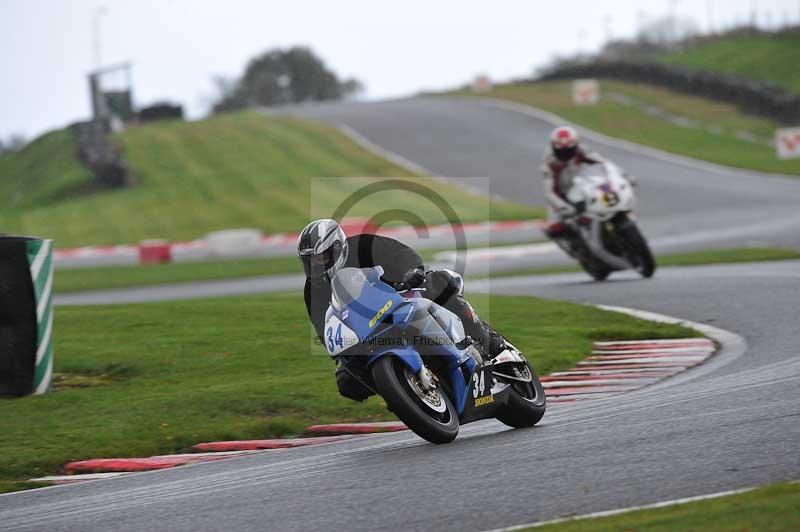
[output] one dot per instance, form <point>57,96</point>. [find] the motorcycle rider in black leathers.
<point>324,249</point>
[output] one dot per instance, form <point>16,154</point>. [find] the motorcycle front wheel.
<point>429,413</point>
<point>636,249</point>
<point>526,404</point>
<point>596,269</point>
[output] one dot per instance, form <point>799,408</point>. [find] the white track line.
<point>80,478</point>
<point>489,253</point>
<point>732,346</point>
<point>608,513</point>
<point>682,341</point>
<point>669,350</point>
<point>634,383</point>
<point>396,158</point>
<point>593,371</point>
<point>410,165</point>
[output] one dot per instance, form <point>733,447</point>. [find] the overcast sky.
<point>395,48</point>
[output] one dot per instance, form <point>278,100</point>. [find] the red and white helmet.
<point>564,141</point>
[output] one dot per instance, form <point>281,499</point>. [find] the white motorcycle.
<point>603,237</point>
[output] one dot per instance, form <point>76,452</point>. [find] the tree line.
<point>283,76</point>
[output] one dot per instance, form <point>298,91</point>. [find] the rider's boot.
<point>351,385</point>
<point>557,230</point>
<point>442,290</point>
<point>497,343</point>
<point>564,236</point>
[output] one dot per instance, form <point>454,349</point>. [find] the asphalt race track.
<point>682,202</point>
<point>732,423</point>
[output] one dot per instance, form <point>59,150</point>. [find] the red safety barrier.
<point>154,251</point>
<point>251,445</point>
<point>357,428</point>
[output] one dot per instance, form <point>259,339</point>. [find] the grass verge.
<point>771,508</point>
<point>158,378</point>
<point>632,122</point>
<point>84,279</point>
<point>232,170</point>
<point>40,174</point>
<point>772,58</point>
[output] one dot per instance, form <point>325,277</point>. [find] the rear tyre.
<point>430,415</point>
<point>636,250</point>
<point>526,404</point>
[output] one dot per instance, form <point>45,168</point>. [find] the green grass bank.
<point>233,170</point>
<point>139,380</point>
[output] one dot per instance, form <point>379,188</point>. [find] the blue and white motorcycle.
<point>414,353</point>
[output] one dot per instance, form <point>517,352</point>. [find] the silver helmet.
<point>322,246</point>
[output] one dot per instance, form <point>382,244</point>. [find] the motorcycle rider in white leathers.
<point>564,159</point>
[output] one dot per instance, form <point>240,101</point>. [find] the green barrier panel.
<point>26,315</point>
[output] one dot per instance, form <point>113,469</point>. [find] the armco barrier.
<point>26,316</point>
<point>234,242</point>
<point>755,97</point>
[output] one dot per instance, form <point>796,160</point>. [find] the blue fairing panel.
<point>376,300</point>
<point>461,382</point>
<point>409,356</point>
<point>373,310</point>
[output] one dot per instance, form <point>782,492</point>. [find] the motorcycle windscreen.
<point>584,183</point>
<point>366,298</point>
<point>594,171</point>
<point>347,285</point>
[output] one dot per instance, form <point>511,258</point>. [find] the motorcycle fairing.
<point>374,311</point>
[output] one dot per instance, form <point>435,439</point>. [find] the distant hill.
<point>233,170</point>
<point>765,57</point>
<point>42,172</point>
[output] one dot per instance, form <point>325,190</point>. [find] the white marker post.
<point>585,91</point>
<point>481,84</point>
<point>787,142</point>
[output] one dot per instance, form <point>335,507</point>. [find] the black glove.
<point>412,279</point>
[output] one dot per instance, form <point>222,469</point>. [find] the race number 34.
<point>479,384</point>
<point>334,341</point>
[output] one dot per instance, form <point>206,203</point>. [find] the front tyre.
<point>636,249</point>
<point>591,265</point>
<point>526,404</point>
<point>596,269</point>
<point>430,414</point>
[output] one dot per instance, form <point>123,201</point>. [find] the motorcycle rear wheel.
<point>599,272</point>
<point>526,404</point>
<point>391,377</point>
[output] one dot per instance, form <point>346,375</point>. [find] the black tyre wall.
<point>18,327</point>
